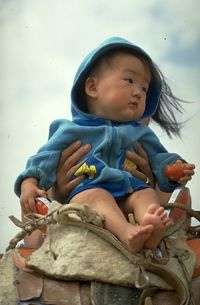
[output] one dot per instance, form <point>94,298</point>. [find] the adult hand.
<point>140,159</point>
<point>68,164</point>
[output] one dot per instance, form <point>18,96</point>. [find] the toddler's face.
<point>121,89</point>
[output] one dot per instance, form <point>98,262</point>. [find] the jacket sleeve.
<point>159,157</point>
<point>42,166</point>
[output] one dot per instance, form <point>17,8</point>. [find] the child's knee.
<point>90,195</point>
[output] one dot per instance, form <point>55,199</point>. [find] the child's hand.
<point>29,192</point>
<point>180,172</point>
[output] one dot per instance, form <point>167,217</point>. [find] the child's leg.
<point>146,208</point>
<point>104,203</point>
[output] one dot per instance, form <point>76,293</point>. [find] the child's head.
<point>117,85</point>
<point>115,56</point>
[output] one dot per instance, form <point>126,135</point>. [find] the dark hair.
<point>168,107</point>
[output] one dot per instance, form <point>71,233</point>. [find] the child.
<point>116,86</point>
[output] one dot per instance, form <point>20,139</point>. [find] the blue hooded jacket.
<point>103,165</point>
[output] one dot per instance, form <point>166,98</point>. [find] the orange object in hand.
<point>175,171</point>
<point>42,205</point>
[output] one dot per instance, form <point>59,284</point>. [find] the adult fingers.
<point>68,152</point>
<point>140,151</point>
<point>137,174</point>
<point>73,183</point>
<point>71,156</point>
<point>71,171</point>
<point>139,157</point>
<point>143,164</point>
<point>61,192</point>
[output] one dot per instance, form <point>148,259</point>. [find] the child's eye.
<point>129,80</point>
<point>144,89</point>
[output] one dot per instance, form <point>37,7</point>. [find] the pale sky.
<point>42,44</point>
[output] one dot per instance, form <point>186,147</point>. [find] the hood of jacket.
<point>78,105</point>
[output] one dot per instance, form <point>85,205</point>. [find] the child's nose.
<point>136,91</point>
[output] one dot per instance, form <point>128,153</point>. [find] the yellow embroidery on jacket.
<point>130,164</point>
<point>84,169</point>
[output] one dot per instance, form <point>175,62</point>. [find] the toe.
<point>164,215</point>
<point>152,209</point>
<point>160,211</point>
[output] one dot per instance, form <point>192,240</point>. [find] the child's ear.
<point>91,87</point>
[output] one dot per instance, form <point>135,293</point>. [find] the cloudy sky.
<point>43,42</point>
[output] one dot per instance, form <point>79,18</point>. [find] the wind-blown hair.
<point>168,106</point>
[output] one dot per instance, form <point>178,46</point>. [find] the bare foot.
<point>136,237</point>
<point>156,216</point>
